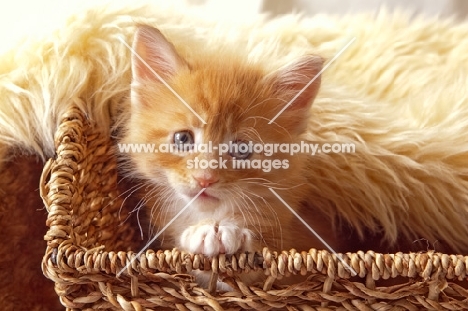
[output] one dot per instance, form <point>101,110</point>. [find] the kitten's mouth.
<point>205,195</point>
<point>208,195</point>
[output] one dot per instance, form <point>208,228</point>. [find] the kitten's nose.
<point>205,180</point>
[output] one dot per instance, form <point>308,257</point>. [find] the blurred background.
<point>30,17</point>
<point>458,8</point>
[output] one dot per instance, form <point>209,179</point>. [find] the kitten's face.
<point>236,101</point>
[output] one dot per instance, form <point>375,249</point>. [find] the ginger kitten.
<point>237,212</point>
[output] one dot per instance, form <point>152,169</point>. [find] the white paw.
<point>213,239</point>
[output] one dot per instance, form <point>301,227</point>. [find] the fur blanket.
<point>398,93</point>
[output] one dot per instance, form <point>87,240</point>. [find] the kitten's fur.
<point>237,211</point>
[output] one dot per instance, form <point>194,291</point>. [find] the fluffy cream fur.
<point>399,93</point>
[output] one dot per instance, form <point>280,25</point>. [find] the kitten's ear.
<point>154,51</point>
<point>297,85</point>
<point>290,81</point>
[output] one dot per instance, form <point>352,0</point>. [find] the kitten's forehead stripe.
<point>225,95</point>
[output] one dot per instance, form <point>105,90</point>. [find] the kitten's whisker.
<point>169,199</point>
<point>243,206</point>
<point>268,183</point>
<point>160,207</point>
<point>250,206</point>
<point>139,223</point>
<point>244,203</point>
<point>241,195</point>
<point>259,180</point>
<point>265,184</point>
<point>234,206</point>
<point>161,231</point>
<point>124,178</point>
<point>130,192</point>
<point>147,197</point>
<point>288,188</point>
<point>114,199</point>
<point>273,211</point>
<point>257,214</point>
<point>252,134</point>
<point>142,203</point>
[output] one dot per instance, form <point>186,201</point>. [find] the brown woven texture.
<point>88,245</point>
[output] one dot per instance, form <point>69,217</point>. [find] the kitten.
<point>236,212</point>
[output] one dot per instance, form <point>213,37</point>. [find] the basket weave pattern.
<point>88,245</point>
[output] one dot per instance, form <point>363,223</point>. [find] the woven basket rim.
<point>65,261</point>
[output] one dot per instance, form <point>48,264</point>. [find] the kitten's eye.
<point>240,150</point>
<point>183,140</point>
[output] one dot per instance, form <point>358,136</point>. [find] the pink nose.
<point>205,180</point>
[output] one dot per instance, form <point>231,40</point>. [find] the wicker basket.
<point>88,247</point>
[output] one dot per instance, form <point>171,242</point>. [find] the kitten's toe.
<point>233,239</point>
<point>212,240</point>
<point>229,240</point>
<point>199,239</point>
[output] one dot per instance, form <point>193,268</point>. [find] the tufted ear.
<point>154,55</point>
<point>290,81</point>
<point>296,85</point>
